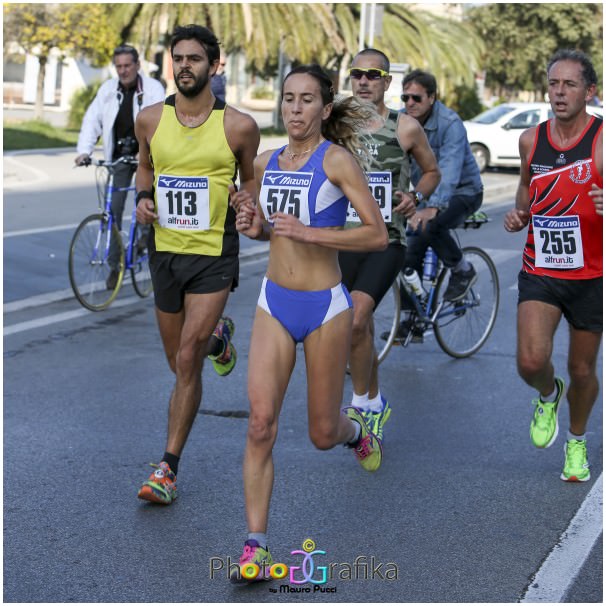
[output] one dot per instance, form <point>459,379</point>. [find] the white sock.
<point>551,397</point>
<point>571,436</point>
<point>375,404</point>
<point>360,402</point>
<point>357,431</point>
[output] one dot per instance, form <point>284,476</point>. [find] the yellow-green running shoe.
<point>224,362</point>
<point>255,563</point>
<point>576,467</point>
<point>544,424</point>
<point>368,448</point>
<point>376,420</point>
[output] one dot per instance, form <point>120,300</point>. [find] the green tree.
<point>520,38</point>
<point>40,28</point>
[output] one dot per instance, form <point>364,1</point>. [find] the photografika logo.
<point>305,572</point>
<point>310,571</point>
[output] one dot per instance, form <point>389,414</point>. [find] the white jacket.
<point>101,114</point>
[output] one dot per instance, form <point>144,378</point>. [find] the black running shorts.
<point>174,275</point>
<point>372,272</point>
<point>579,300</point>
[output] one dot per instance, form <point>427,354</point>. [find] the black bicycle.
<point>89,248</point>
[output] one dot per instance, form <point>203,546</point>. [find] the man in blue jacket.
<point>459,193</point>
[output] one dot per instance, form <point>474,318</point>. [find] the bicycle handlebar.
<point>120,160</point>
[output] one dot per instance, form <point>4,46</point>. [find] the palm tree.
<point>324,33</point>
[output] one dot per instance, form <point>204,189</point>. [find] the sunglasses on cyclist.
<point>415,98</point>
<point>371,73</point>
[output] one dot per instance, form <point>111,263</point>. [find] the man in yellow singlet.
<point>191,148</point>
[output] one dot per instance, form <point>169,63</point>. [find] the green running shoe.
<point>368,449</point>
<point>576,467</point>
<point>544,424</point>
<point>224,362</point>
<point>376,420</point>
<point>255,563</point>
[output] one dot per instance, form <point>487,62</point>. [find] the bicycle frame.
<point>423,309</point>
<point>108,214</point>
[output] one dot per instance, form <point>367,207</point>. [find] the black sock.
<point>172,461</point>
<point>215,346</point>
<point>357,436</point>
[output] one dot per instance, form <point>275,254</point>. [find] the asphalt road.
<point>463,509</point>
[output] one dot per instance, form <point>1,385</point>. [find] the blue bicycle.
<point>89,248</point>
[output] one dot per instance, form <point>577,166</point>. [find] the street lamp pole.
<point>362,35</point>
<point>371,29</point>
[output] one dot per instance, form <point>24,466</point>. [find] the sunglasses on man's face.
<point>371,73</point>
<point>415,98</point>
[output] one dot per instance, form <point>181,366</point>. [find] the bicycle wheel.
<point>139,270</point>
<point>88,265</point>
<point>387,320</point>
<point>462,327</point>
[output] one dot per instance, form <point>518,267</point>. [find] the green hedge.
<point>81,99</point>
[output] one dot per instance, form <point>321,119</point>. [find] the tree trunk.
<point>39,107</point>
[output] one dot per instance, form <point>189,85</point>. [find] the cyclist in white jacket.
<point>112,115</point>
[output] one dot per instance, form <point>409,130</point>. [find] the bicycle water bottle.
<point>430,264</point>
<point>413,280</point>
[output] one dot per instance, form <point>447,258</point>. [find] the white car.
<point>495,133</point>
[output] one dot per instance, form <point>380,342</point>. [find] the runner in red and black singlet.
<point>564,233</point>
<point>560,199</point>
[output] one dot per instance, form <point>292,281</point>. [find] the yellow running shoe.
<point>376,420</point>
<point>576,467</point>
<point>544,424</point>
<point>224,362</point>
<point>368,448</point>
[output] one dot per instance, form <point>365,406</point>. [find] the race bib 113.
<point>183,203</point>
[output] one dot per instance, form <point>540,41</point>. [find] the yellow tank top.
<point>192,169</point>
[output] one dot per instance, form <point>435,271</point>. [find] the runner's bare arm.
<point>145,127</point>
<point>517,218</point>
<point>596,192</point>
<point>243,137</point>
<point>412,138</point>
<point>250,220</point>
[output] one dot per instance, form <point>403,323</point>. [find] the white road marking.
<point>45,230</point>
<point>251,256</point>
<point>62,317</point>
<point>559,570</point>
<point>38,230</point>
